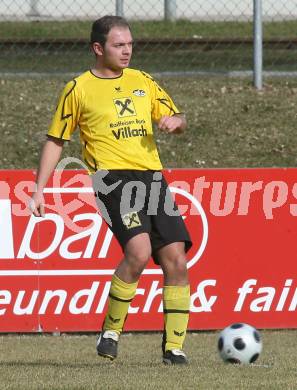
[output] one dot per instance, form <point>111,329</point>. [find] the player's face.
<point>117,49</point>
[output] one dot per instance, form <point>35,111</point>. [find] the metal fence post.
<point>170,10</point>
<point>33,8</point>
<point>119,7</point>
<point>258,45</point>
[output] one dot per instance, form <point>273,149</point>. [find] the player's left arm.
<point>164,112</point>
<point>175,124</point>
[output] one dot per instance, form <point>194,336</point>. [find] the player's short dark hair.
<point>102,26</point>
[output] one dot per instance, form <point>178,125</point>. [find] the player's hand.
<point>171,124</point>
<point>36,204</point>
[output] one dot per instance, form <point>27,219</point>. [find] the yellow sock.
<point>176,301</point>
<point>120,296</point>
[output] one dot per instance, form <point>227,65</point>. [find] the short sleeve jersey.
<point>115,119</point>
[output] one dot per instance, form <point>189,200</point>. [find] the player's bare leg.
<point>172,260</point>
<point>123,287</point>
<point>136,256</point>
<point>176,302</point>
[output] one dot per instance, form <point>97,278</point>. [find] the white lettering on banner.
<point>21,209</point>
<point>18,310</point>
<point>134,310</point>
<point>5,299</point>
<point>293,207</point>
<point>86,307</point>
<point>243,291</point>
<point>92,231</point>
<point>49,294</point>
<point>205,304</point>
<point>6,235</point>
<point>263,303</point>
<point>80,303</point>
<point>26,302</point>
<point>103,298</point>
<point>25,249</point>
<point>267,297</point>
<point>7,238</point>
<point>216,196</point>
<point>61,301</point>
<point>247,188</point>
<point>274,196</point>
<point>200,295</point>
<point>106,244</point>
<point>284,295</point>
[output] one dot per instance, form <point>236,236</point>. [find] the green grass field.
<point>230,124</point>
<point>219,59</point>
<point>76,58</point>
<point>70,362</point>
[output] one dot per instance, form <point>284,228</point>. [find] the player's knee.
<point>176,264</point>
<point>138,261</point>
<point>179,263</point>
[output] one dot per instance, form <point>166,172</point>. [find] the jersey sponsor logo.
<point>124,107</point>
<point>131,220</point>
<point>139,92</point>
<point>127,132</point>
<point>128,122</point>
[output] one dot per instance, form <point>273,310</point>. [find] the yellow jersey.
<point>115,117</point>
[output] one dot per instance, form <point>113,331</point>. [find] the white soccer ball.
<point>240,344</point>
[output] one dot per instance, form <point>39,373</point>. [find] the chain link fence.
<point>170,35</point>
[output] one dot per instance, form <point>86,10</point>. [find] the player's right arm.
<point>63,124</point>
<point>49,159</point>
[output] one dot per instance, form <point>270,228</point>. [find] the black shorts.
<point>134,202</point>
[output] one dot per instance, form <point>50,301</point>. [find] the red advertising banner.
<point>55,271</point>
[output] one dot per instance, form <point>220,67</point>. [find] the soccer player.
<point>114,107</point>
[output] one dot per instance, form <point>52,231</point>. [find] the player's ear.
<point>97,48</point>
